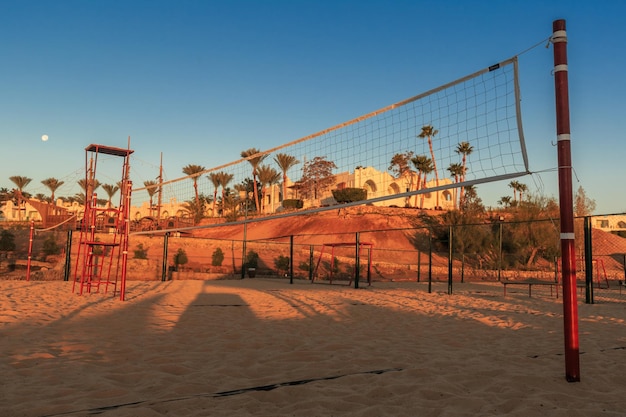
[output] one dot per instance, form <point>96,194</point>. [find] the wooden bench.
<point>530,283</point>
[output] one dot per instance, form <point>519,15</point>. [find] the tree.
<point>457,172</point>
<point>285,162</point>
<point>424,166</point>
<point>180,258</point>
<point>267,177</point>
<point>82,199</point>
<point>317,176</point>
<point>194,171</point>
<point>505,201</point>
<point>429,132</point>
<point>464,149</point>
<point>111,189</point>
<point>399,164</point>
<point>224,179</point>
<point>52,184</point>
<point>7,241</point>
<point>583,206</point>
<point>214,177</point>
<point>217,257</point>
<point>151,188</point>
<point>254,157</point>
<point>21,183</point>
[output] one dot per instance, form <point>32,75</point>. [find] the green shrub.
<point>252,259</point>
<point>140,252</point>
<point>293,204</point>
<point>281,263</point>
<point>180,257</point>
<point>217,258</point>
<point>50,246</point>
<point>7,241</point>
<point>349,195</point>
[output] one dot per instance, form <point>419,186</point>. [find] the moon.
<point>44,138</point>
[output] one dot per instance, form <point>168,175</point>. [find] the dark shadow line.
<point>270,387</point>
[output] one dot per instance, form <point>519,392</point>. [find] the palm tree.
<point>214,177</point>
<point>515,186</point>
<point>224,179</point>
<point>521,188</point>
<point>457,171</point>
<point>285,162</point>
<point>21,183</point>
<point>255,158</point>
<point>53,184</point>
<point>429,132</point>
<point>151,188</point>
<point>110,189</point>
<point>420,162</point>
<point>464,149</point>
<point>267,176</point>
<point>505,201</point>
<point>194,172</point>
<point>424,166</point>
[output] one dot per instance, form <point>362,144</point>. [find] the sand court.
<point>264,347</point>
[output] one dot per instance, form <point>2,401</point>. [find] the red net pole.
<point>568,254</point>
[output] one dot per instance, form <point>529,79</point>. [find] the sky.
<point>197,82</point>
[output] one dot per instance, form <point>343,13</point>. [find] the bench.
<point>530,283</point>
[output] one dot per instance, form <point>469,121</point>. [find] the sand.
<point>262,347</point>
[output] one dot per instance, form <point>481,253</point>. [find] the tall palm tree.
<point>214,177</point>
<point>21,183</point>
<point>255,158</point>
<point>456,171</point>
<point>53,184</point>
<point>267,177</point>
<point>464,149</point>
<point>194,172</point>
<point>151,188</point>
<point>429,132</point>
<point>285,162</point>
<point>110,189</point>
<point>224,179</point>
<point>521,189</point>
<point>82,199</point>
<point>424,166</point>
<point>515,186</point>
<point>420,162</point>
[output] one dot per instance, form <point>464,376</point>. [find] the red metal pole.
<point>568,254</point>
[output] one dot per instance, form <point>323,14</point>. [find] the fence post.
<point>291,259</point>
<point>430,261</point>
<point>68,256</point>
<point>164,263</point>
<point>419,264</point>
<point>450,262</point>
<point>311,263</point>
<point>356,261</point>
<point>588,261</point>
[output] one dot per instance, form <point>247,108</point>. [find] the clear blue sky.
<point>200,81</point>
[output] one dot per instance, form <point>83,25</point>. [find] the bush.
<point>293,204</point>
<point>281,263</point>
<point>180,258</point>
<point>140,252</point>
<point>7,241</point>
<point>50,246</point>
<point>349,195</point>
<point>252,259</point>
<point>217,257</point>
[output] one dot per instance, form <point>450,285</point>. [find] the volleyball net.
<point>466,132</point>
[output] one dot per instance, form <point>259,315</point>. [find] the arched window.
<point>393,188</point>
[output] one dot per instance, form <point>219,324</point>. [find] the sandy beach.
<point>263,347</point>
